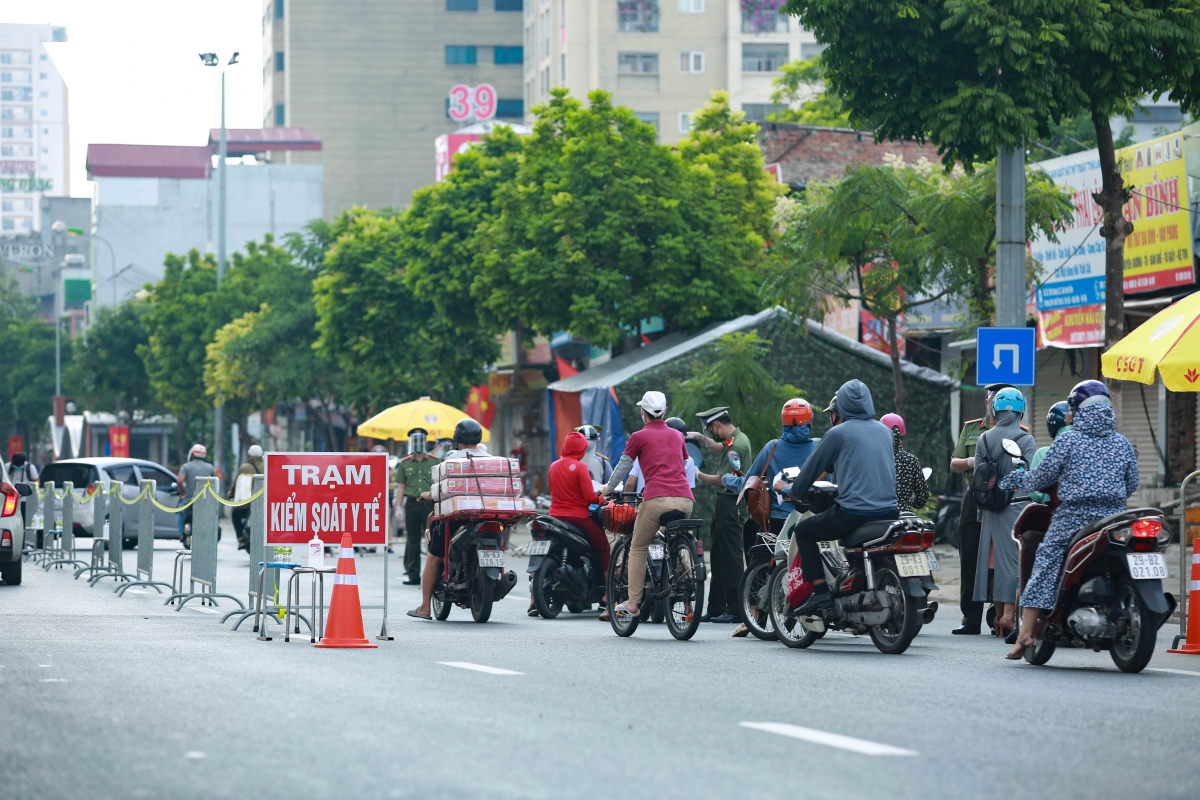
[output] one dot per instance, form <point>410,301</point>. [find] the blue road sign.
<point>1005,355</point>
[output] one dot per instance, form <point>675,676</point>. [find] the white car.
<point>86,473</point>
<point>12,528</point>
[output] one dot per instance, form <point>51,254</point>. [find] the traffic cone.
<point>345,628</point>
<point>1191,645</point>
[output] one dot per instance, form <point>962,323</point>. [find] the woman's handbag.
<point>758,495</point>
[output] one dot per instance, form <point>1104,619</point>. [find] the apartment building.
<point>371,79</point>
<point>33,126</point>
<point>662,58</point>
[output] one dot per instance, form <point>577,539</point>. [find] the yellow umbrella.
<point>1168,342</point>
<point>437,418</point>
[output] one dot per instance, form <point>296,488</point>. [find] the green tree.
<point>28,346</point>
<point>736,377</point>
<point>1073,135</point>
<point>108,363</point>
<point>804,82</point>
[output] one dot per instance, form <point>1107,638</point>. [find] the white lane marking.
<point>43,665</point>
<point>479,668</point>
<point>53,680</point>
<point>829,739</point>
<point>1175,671</point>
<point>193,754</point>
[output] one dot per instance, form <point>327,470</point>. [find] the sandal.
<point>419,615</point>
<point>533,612</point>
<point>1024,644</point>
<point>623,611</point>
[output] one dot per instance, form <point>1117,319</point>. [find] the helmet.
<point>1088,393</point>
<point>468,431</point>
<point>893,421</point>
<point>254,452</point>
<point>198,451</point>
<point>1009,399</point>
<point>1056,417</point>
<point>678,424</point>
<point>797,412</point>
<point>589,432</point>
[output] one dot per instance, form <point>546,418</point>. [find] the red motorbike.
<point>1110,594</point>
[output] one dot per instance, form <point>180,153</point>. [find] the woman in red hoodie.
<point>571,492</point>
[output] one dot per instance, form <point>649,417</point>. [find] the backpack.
<point>989,469</point>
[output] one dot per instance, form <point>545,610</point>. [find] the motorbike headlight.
<point>1120,535</point>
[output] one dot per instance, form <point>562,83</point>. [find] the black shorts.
<point>437,540</point>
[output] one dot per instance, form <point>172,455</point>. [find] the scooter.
<point>1110,594</point>
<point>880,576</point>
<point>565,568</point>
<point>473,574</point>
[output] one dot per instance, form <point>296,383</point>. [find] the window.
<point>123,474</point>
<point>510,108</point>
<point>460,54</point>
<point>811,50</point>
<point>562,69</point>
<point>504,54</point>
<point>644,63</point>
<point>9,225</point>
<point>42,76</point>
<point>544,22</point>
<point>685,122</point>
<point>510,5</point>
<point>637,16</point>
<point>691,6</point>
<point>648,117</point>
<point>279,62</point>
<point>691,62</point>
<point>462,5</point>
<point>278,9</point>
<point>757,112</point>
<point>279,115</point>
<point>764,21</point>
<point>80,475</point>
<point>763,57</point>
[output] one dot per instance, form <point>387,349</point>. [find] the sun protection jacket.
<point>571,489</point>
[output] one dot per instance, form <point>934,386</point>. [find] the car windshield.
<point>122,473</point>
<point>80,475</point>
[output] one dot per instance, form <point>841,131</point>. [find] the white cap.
<point>654,403</point>
<point>254,452</point>
<point>198,450</point>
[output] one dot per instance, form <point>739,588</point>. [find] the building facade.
<point>372,79</point>
<point>662,58</point>
<point>34,134</point>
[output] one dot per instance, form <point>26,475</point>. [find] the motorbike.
<point>949,507</point>
<point>1110,594</point>
<point>565,568</point>
<point>473,574</point>
<point>880,576</point>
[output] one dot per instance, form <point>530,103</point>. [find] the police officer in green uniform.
<point>415,477</point>
<point>727,517</point>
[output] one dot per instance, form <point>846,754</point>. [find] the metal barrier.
<point>116,538</point>
<point>1184,561</point>
<point>100,503</point>
<point>258,548</point>
<point>205,519</point>
<point>66,533</point>
<point>145,560</point>
<point>33,549</point>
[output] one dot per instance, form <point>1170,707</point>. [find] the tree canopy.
<point>804,82</point>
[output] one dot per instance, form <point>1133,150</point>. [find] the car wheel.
<point>11,573</point>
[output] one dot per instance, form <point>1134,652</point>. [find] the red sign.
<point>446,147</point>
<point>16,444</point>
<point>118,441</point>
<point>326,495</point>
<point>1080,326</point>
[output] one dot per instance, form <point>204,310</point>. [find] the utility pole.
<point>1011,286</point>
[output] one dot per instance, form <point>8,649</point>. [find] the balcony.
<point>764,22</point>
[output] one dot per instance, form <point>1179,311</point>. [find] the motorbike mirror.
<point>735,460</point>
<point>1011,447</point>
<point>926,472</point>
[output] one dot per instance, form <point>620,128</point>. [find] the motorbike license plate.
<point>657,551</point>
<point>1146,566</point>
<point>912,565</point>
<point>491,558</point>
<point>539,547</point>
<point>934,566</point>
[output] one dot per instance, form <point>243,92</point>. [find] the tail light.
<point>1145,534</point>
<point>91,489</point>
<point>912,542</point>
<point>490,527</point>
<point>11,499</point>
<point>699,547</point>
<point>6,540</point>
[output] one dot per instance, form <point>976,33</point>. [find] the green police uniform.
<point>726,534</point>
<point>417,477</point>
<point>969,528</point>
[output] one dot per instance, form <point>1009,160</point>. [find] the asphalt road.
<point>122,697</point>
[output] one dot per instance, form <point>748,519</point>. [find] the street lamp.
<point>211,60</point>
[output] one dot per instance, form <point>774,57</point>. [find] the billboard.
<point>326,495</point>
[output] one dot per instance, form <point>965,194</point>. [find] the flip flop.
<point>622,611</point>
<point>419,615</point>
<point>533,612</point>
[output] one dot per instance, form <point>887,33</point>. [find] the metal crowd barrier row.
<point>116,536</point>
<point>145,559</point>
<point>66,532</point>
<point>203,552</point>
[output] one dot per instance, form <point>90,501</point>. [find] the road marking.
<point>479,668</point>
<point>1176,671</point>
<point>829,739</point>
<point>43,665</point>
<point>194,754</point>
<point>53,680</point>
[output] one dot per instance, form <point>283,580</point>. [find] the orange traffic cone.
<point>1192,643</point>
<point>345,628</point>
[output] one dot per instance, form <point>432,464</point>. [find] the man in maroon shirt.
<point>662,453</point>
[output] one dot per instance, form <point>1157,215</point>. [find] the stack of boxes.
<point>488,483</point>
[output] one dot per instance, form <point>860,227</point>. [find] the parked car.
<point>12,528</point>
<point>86,473</point>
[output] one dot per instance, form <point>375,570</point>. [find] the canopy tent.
<point>438,419</point>
<point>1168,342</point>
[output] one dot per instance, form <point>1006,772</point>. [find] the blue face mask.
<point>797,434</point>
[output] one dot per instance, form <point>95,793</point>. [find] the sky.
<point>134,74</point>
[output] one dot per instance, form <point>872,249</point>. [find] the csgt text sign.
<point>326,495</point>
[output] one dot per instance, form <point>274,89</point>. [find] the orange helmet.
<point>797,412</point>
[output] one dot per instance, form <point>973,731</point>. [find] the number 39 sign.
<point>476,103</point>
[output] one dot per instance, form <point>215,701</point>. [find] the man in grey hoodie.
<point>859,453</point>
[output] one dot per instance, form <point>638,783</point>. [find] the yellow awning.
<point>438,419</point>
<point>1169,342</point>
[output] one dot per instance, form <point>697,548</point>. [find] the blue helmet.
<point>1009,399</point>
<point>1088,393</point>
<point>1056,417</point>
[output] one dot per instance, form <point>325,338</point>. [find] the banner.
<point>1158,254</point>
<point>326,495</point>
<point>118,441</point>
<point>16,444</point>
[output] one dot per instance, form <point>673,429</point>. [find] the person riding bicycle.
<point>636,482</point>
<point>911,489</point>
<point>1096,470</point>
<point>859,452</point>
<point>468,434</point>
<point>661,451</point>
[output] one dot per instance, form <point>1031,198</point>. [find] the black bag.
<point>985,483</point>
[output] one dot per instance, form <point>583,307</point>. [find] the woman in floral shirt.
<point>1096,470</point>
